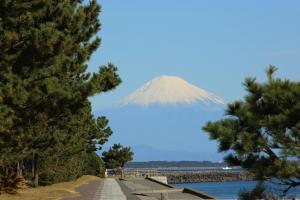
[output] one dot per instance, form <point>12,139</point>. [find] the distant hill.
<point>164,133</point>
<point>161,164</point>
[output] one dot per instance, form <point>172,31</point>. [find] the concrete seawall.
<point>151,189</point>
<point>162,179</point>
<point>208,177</point>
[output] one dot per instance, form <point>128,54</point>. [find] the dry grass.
<point>52,192</point>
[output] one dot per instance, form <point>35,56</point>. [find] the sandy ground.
<point>52,192</point>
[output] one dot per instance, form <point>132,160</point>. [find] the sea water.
<point>230,190</point>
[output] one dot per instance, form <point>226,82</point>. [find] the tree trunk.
<point>32,167</point>
<point>36,171</point>
<point>56,164</point>
<point>18,168</point>
<point>21,168</point>
<point>122,173</point>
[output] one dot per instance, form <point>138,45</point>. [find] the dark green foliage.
<point>56,169</point>
<point>45,114</point>
<point>117,156</point>
<point>262,133</point>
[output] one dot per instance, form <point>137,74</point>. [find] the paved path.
<point>104,189</point>
<point>87,191</point>
<point>127,191</point>
<point>109,191</point>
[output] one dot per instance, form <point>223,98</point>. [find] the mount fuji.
<point>162,120</point>
<point>170,90</point>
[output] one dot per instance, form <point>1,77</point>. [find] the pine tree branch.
<point>13,46</point>
<point>272,155</point>
<point>292,185</point>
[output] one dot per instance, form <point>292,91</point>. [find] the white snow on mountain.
<point>170,90</point>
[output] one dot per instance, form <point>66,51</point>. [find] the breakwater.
<point>178,178</point>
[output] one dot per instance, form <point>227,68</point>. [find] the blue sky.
<point>211,44</point>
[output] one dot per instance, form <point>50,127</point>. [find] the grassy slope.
<point>52,192</point>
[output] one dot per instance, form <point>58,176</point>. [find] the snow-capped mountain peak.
<point>170,90</point>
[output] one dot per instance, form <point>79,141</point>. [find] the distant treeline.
<point>158,164</point>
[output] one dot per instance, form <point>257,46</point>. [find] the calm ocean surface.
<point>230,190</point>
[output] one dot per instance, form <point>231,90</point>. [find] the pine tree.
<point>44,85</point>
<point>117,156</point>
<point>262,132</point>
